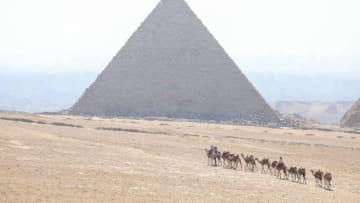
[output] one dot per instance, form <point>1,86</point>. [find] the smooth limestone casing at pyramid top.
<point>173,67</point>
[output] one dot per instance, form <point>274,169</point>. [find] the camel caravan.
<point>276,168</point>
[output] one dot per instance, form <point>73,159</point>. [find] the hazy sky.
<point>292,36</point>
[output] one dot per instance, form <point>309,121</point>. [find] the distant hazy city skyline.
<point>285,36</point>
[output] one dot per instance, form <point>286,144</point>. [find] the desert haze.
<point>60,158</point>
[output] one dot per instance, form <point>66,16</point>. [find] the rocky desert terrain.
<point>323,112</point>
<point>60,158</point>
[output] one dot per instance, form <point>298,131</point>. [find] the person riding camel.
<point>213,149</point>
<point>281,161</point>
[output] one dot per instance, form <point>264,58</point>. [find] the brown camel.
<point>226,158</point>
<point>265,162</point>
<point>218,158</point>
<point>293,172</point>
<point>327,180</point>
<point>212,157</point>
<point>282,168</point>
<point>234,161</point>
<point>273,167</point>
<point>318,177</point>
<point>249,162</point>
<point>302,173</point>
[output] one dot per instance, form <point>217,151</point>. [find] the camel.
<point>318,177</point>
<point>264,162</point>
<point>293,171</point>
<point>234,161</point>
<point>208,154</point>
<point>327,180</point>
<point>212,157</point>
<point>226,158</point>
<point>218,158</point>
<point>282,168</point>
<point>273,167</point>
<point>302,173</point>
<point>249,161</point>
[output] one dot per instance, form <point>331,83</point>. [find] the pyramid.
<point>173,67</point>
<point>351,118</point>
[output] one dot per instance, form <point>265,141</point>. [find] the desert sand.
<point>164,161</point>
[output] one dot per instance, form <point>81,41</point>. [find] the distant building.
<point>351,118</point>
<point>173,67</point>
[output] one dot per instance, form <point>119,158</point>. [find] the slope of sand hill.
<point>163,161</point>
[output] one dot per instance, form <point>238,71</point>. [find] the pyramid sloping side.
<point>173,67</point>
<point>352,117</point>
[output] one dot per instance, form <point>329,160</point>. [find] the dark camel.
<point>302,173</point>
<point>226,158</point>
<point>249,162</point>
<point>327,180</point>
<point>218,158</point>
<point>234,161</point>
<point>318,177</point>
<point>264,163</point>
<point>213,157</point>
<point>293,172</point>
<point>282,168</point>
<point>273,167</point>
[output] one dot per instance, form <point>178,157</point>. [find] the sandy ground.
<point>164,161</point>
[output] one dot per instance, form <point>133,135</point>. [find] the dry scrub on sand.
<point>49,163</point>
